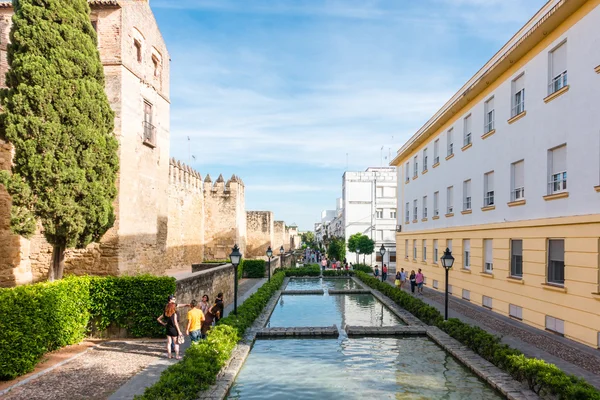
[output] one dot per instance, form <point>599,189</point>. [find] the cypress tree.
<point>58,118</point>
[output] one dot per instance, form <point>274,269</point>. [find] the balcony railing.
<point>517,194</point>
<point>450,149</point>
<point>149,134</point>
<point>467,139</point>
<point>559,82</point>
<point>558,182</point>
<point>467,203</point>
<point>436,160</point>
<point>488,199</point>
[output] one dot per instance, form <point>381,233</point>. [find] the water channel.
<point>349,368</point>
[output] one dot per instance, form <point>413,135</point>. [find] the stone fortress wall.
<point>259,231</point>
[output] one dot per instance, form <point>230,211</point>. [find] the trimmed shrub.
<point>203,361</point>
<point>541,377</point>
<point>363,268</point>
<point>334,272</point>
<point>46,316</point>
<point>307,270</point>
<point>254,268</point>
<point>40,318</point>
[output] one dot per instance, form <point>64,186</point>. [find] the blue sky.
<point>279,91</point>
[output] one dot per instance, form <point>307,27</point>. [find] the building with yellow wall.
<point>507,175</point>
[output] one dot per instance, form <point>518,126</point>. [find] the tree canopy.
<point>58,118</point>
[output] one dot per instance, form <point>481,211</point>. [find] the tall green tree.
<point>353,244</point>
<point>336,248</point>
<point>58,118</point>
<point>308,238</point>
<point>366,245</point>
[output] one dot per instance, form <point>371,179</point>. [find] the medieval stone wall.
<point>278,236</point>
<point>259,233</point>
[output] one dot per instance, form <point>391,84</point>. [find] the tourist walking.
<point>398,281</point>
<point>413,281</point>
<point>173,300</point>
<point>419,279</point>
<point>376,271</point>
<point>195,318</point>
<point>217,308</point>
<point>170,321</point>
<point>323,264</point>
<point>384,272</point>
<point>204,304</point>
<point>402,277</point>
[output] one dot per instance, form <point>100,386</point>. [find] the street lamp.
<point>235,258</point>
<point>269,254</point>
<point>447,262</point>
<point>382,252</point>
<point>281,250</point>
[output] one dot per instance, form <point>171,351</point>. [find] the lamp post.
<point>382,252</point>
<point>269,254</point>
<point>281,251</point>
<point>447,262</point>
<point>235,258</point>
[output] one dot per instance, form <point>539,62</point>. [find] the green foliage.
<point>131,302</point>
<point>203,361</point>
<point>337,272</point>
<point>58,118</point>
<point>240,271</point>
<point>541,377</point>
<point>336,248</point>
<point>307,270</point>
<point>255,268</point>
<point>363,268</point>
<point>46,316</point>
<point>365,245</point>
<point>308,239</point>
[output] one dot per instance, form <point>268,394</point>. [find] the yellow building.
<point>486,176</point>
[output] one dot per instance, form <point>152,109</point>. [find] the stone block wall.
<point>259,232</point>
<point>279,236</point>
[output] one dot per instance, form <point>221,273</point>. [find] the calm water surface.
<point>324,310</point>
<point>321,283</point>
<point>355,368</point>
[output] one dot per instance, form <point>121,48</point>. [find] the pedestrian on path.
<point>398,281</point>
<point>170,321</point>
<point>376,271</point>
<point>402,277</point>
<point>217,308</point>
<point>384,272</point>
<point>204,304</point>
<point>413,281</point>
<point>195,318</point>
<point>323,264</point>
<point>173,300</point>
<point>419,279</point>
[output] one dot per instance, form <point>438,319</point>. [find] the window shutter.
<point>467,244</point>
<point>449,244</point>
<point>490,105</point>
<point>517,247</point>
<point>519,83</point>
<point>519,174</point>
<point>487,244</point>
<point>468,125</point>
<point>559,60</point>
<point>559,159</point>
<point>557,250</point>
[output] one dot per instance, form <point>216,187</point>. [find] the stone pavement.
<point>151,374</point>
<point>570,356</point>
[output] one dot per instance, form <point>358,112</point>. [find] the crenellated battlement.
<point>184,176</point>
<point>222,187</point>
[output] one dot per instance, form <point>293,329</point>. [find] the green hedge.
<point>203,361</point>
<point>254,268</point>
<point>334,272</point>
<point>307,270</point>
<point>543,378</point>
<point>363,268</point>
<point>46,316</point>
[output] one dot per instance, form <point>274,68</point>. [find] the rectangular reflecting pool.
<point>355,368</point>
<point>325,310</point>
<point>321,283</point>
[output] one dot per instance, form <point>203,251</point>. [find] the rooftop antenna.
<point>189,151</point>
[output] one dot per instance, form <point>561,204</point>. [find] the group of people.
<point>384,271</point>
<point>312,256</point>
<point>201,318</point>
<point>333,264</point>
<point>416,280</point>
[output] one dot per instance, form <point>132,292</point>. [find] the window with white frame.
<point>436,204</point>
<point>558,68</point>
<point>518,95</point>
<point>556,261</point>
<point>450,143</point>
<point>407,212</point>
<point>450,200</point>
<point>516,258</point>
<point>435,250</point>
<point>488,189</point>
<point>436,151</point>
<point>424,206</point>
<point>379,213</point>
<point>467,195</point>
<point>435,284</point>
<point>557,169</point>
<point>517,178</point>
<point>449,244</point>
<point>489,116</point>
<point>424,160</point>
<point>515,311</point>
<point>555,325</point>
<point>424,250</point>
<point>407,172</point>
<point>486,301</point>
<point>415,213</point>
<point>415,167</point>
<point>467,130</point>
<point>393,214</point>
<point>488,256</point>
<point>406,248</point>
<point>414,249</point>
<point>466,254</point>
<point>466,294</point>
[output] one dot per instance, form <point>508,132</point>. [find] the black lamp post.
<point>235,258</point>
<point>382,252</point>
<point>269,254</point>
<point>281,250</point>
<point>447,262</point>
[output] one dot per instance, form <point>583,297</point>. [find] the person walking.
<point>195,318</point>
<point>402,277</point>
<point>204,304</point>
<point>217,308</point>
<point>397,281</point>
<point>170,321</point>
<point>413,281</point>
<point>323,264</point>
<point>384,272</point>
<point>419,279</point>
<point>376,271</point>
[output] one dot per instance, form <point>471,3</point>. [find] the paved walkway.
<point>151,374</point>
<point>570,356</point>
